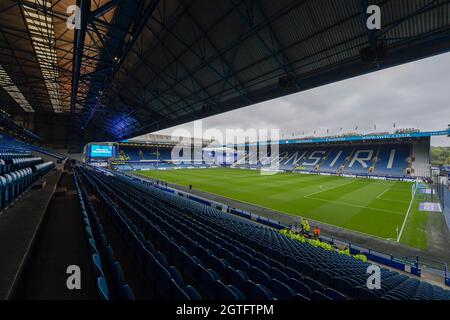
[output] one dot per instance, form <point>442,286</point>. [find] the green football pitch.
<point>379,208</point>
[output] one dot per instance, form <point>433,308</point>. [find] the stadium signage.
<point>407,179</point>
<point>377,177</point>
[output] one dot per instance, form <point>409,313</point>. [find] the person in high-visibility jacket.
<point>305,226</point>
<point>316,232</point>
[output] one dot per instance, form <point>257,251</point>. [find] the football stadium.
<point>336,188</point>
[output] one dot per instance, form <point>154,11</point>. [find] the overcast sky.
<point>413,95</point>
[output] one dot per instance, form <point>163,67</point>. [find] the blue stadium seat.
<point>313,284</point>
<point>363,293</point>
<point>306,269</point>
<point>205,281</point>
<point>236,278</point>
<point>117,275</point>
<point>279,275</point>
<point>97,265</point>
<point>199,247</point>
<point>126,293</point>
<point>242,265</point>
<point>102,288</point>
<point>333,294</point>
<point>323,276</point>
<point>258,292</point>
<point>317,295</point>
<point>109,255</point>
<point>223,292</point>
<point>260,277</point>
<point>281,291</point>
<point>192,293</point>
<point>293,273</point>
<point>300,287</point>
<point>176,276</point>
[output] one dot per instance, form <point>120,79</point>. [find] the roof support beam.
<point>229,68</point>
<point>143,21</point>
<point>80,35</point>
<point>97,13</point>
<point>201,58</point>
<point>280,58</point>
<point>230,46</point>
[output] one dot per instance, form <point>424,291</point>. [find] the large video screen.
<point>101,151</point>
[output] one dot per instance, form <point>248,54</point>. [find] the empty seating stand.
<point>192,251</point>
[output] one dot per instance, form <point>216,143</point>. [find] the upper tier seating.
<point>192,251</point>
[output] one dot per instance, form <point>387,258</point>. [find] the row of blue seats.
<point>14,183</point>
<point>8,155</point>
<point>102,286</point>
<point>42,168</point>
<point>4,168</point>
<point>20,163</point>
<point>7,166</point>
<point>103,252</point>
<point>160,279</point>
<point>279,257</point>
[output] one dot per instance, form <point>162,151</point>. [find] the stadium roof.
<point>138,66</point>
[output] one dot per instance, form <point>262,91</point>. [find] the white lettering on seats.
<point>315,158</point>
<point>361,159</point>
<point>391,159</point>
<point>336,158</point>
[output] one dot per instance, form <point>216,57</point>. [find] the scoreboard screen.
<point>101,151</point>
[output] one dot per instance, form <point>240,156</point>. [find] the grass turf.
<point>374,207</point>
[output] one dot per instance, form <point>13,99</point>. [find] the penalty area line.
<point>320,191</point>
<point>381,194</point>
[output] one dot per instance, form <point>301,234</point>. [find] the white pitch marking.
<point>355,205</point>
<point>337,186</point>
<point>406,217</point>
<point>381,194</point>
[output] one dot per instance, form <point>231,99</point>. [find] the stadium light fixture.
<point>42,33</point>
<point>15,93</point>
